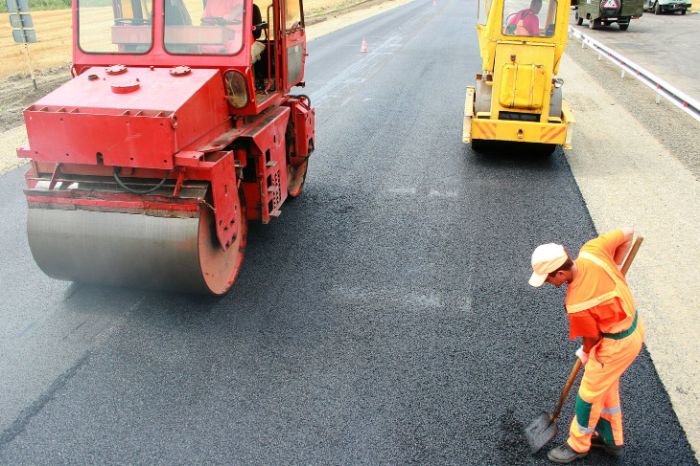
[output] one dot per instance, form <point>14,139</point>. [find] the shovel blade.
<point>540,431</point>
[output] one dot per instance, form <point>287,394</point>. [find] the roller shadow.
<point>501,154</point>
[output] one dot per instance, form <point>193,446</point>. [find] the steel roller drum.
<point>135,250</point>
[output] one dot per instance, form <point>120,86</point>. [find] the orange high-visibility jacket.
<point>598,300</point>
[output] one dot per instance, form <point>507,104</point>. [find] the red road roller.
<point>176,129</point>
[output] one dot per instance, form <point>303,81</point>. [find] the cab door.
<point>294,34</point>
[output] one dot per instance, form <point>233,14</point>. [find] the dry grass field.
<point>53,29</point>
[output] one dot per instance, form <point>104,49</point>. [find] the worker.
<point>601,311</point>
<point>230,13</point>
<point>525,22</point>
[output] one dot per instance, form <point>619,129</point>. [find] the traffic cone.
<point>363,47</point>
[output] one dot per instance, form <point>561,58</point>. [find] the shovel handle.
<point>577,365</point>
<point>631,255</point>
<point>567,388</point>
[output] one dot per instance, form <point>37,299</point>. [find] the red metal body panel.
<point>265,197</point>
<point>142,128</point>
<point>303,132</point>
<point>117,202</point>
<point>218,168</point>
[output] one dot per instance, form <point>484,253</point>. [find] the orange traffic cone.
<point>363,47</point>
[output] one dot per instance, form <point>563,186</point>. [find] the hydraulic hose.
<point>303,97</point>
<point>138,191</point>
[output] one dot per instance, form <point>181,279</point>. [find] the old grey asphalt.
<point>384,318</point>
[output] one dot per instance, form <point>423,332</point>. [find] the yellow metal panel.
<point>519,131</point>
<point>522,86</point>
<point>468,114</point>
<point>569,120</point>
<point>566,112</point>
<point>484,129</point>
<point>522,81</point>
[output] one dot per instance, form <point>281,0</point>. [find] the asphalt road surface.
<point>384,318</point>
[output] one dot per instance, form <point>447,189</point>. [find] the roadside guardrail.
<point>658,85</point>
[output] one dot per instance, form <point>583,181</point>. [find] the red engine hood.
<point>135,117</point>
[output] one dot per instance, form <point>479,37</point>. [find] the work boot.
<point>616,451</point>
<point>564,454</point>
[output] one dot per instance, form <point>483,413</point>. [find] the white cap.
<point>545,260</point>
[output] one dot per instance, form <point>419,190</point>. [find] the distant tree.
<point>41,5</point>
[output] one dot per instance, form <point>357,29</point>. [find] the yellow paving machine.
<point>518,96</point>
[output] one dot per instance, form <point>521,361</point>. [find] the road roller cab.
<point>517,96</point>
<point>177,128</point>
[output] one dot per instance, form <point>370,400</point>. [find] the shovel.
<point>544,427</point>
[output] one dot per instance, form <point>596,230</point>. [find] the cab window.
<point>212,28</point>
<point>265,7</point>
<point>483,7</point>
<point>292,14</point>
<point>529,18</point>
<point>122,26</point>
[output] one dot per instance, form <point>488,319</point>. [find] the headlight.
<point>236,88</point>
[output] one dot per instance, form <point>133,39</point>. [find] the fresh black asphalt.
<point>384,318</point>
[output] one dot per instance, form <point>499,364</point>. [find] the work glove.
<point>582,355</point>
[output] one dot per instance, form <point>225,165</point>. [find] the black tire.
<point>657,9</point>
<point>545,150</point>
<point>683,11</point>
<point>579,20</point>
<point>594,23</point>
<point>479,146</point>
<point>624,27</point>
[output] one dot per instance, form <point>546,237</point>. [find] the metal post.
<point>22,32</point>
<point>29,62</point>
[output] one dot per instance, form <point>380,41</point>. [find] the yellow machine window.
<point>483,7</point>
<point>529,18</point>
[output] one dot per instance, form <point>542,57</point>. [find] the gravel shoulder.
<point>637,163</point>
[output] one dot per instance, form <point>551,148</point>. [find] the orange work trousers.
<point>598,406</point>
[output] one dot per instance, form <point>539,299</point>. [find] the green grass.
<point>41,5</point>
